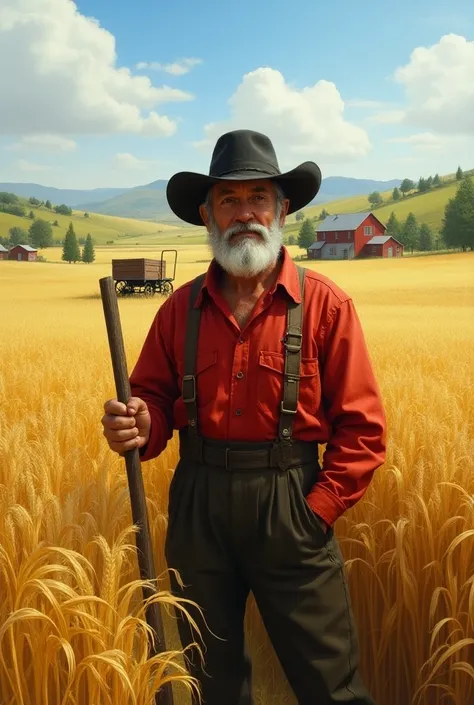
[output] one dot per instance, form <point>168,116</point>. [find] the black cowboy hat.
<point>241,155</point>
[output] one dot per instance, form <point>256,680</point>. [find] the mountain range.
<point>148,202</point>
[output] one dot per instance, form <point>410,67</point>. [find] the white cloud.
<point>177,68</point>
<point>43,143</point>
<point>124,160</point>
<point>63,77</point>
<point>387,117</point>
<point>361,103</point>
<point>25,165</point>
<point>422,140</point>
<point>302,124</point>
<point>439,86</point>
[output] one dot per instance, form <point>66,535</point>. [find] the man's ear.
<point>204,214</point>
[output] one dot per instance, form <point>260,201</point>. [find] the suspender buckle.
<point>189,399</point>
<point>286,411</point>
<point>293,346</point>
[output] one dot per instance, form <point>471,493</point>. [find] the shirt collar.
<point>287,279</point>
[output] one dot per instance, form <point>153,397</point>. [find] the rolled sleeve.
<point>354,409</point>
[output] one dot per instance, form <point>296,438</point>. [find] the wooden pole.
<point>135,480</point>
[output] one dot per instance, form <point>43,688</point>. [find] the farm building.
<point>3,252</point>
<point>353,235</point>
<point>23,253</point>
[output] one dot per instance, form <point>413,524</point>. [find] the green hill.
<point>103,228</point>
<point>428,207</point>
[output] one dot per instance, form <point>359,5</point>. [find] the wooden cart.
<point>143,276</point>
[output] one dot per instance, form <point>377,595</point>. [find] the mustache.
<point>246,228</point>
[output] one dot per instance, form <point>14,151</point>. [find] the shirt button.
<point>239,375</point>
<point>238,412</point>
<point>241,340</point>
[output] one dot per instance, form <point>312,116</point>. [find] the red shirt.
<point>339,403</point>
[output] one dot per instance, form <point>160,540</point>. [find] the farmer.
<point>256,362</point>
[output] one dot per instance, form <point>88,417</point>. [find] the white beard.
<point>248,257</point>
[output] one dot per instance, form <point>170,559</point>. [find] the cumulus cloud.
<point>303,124</point>
<point>53,144</point>
<point>60,74</point>
<point>421,140</point>
<point>128,162</point>
<point>177,68</point>
<point>439,86</point>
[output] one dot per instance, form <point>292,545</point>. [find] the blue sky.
<point>319,78</point>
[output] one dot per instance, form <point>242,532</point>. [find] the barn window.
<point>367,230</point>
<point>349,235</point>
<point>336,236</point>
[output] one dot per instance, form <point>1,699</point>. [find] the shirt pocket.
<point>270,378</point>
<point>206,376</point>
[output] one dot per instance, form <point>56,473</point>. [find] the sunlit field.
<point>71,627</point>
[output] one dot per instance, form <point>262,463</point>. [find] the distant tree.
<point>422,185</point>
<point>406,186</point>
<point>429,182</point>
<point>41,234</point>
<point>291,240</point>
<point>394,227</point>
<point>48,204</point>
<point>31,215</point>
<point>34,201</point>
<point>56,224</point>
<point>63,209</point>
<point>375,199</point>
<point>18,236</point>
<point>396,194</point>
<point>13,209</point>
<point>458,222</point>
<point>300,215</point>
<point>410,233</point>
<point>426,238</point>
<point>436,180</point>
<point>306,234</point>
<point>459,174</point>
<point>324,214</point>
<point>6,197</point>
<point>71,251</point>
<point>88,254</point>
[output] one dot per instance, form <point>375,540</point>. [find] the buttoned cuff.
<point>325,504</point>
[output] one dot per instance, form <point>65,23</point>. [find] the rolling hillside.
<point>428,207</point>
<point>103,228</point>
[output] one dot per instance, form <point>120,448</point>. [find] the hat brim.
<point>187,190</point>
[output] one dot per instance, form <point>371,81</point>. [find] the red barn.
<point>3,252</point>
<point>23,253</point>
<point>353,235</point>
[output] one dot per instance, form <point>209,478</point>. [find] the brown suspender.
<point>292,343</point>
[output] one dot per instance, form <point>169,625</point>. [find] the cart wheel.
<point>121,288</point>
<point>167,288</point>
<point>148,290</point>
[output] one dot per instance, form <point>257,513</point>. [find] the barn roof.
<point>317,245</point>
<point>28,248</point>
<point>381,240</point>
<point>345,221</point>
<point>3,249</point>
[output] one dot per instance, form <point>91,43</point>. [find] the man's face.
<point>245,225</point>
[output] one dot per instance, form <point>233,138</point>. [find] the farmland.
<point>66,552</point>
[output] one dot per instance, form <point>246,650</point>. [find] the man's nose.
<point>244,212</point>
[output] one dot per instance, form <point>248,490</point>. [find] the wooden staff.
<point>135,480</point>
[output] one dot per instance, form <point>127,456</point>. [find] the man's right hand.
<point>126,426</point>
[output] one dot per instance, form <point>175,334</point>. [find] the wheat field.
<point>72,630</point>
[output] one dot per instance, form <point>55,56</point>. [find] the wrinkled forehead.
<point>231,188</point>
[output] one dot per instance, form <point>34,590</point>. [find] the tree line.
<point>40,235</point>
<point>408,186</point>
<point>11,203</point>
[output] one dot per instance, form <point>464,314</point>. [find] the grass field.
<point>69,621</point>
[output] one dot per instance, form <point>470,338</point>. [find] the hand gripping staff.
<point>135,480</point>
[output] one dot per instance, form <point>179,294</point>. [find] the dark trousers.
<point>230,533</point>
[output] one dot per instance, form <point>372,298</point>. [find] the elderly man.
<point>256,362</point>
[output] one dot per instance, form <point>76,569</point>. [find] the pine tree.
<point>426,238</point>
<point>306,234</point>
<point>458,222</point>
<point>410,235</point>
<point>88,254</point>
<point>396,194</point>
<point>394,226</point>
<point>436,180</point>
<point>459,174</point>
<point>71,251</point>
